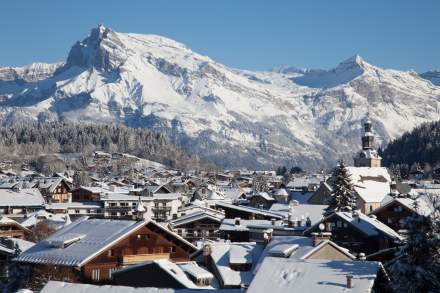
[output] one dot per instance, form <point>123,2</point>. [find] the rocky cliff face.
<point>236,118</point>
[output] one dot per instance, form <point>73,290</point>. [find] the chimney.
<point>207,250</point>
<point>267,236</point>
<point>349,281</point>
<point>317,238</point>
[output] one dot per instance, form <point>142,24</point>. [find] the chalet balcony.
<point>138,258</point>
<point>162,208</point>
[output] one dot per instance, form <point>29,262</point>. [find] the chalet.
<point>165,274</point>
<point>322,194</point>
<point>396,211</point>
<point>245,212</point>
<point>155,189</point>
<point>261,200</point>
<point>87,193</point>
<point>19,203</point>
<point>208,192</point>
<point>13,229</point>
<point>160,207</point>
<point>200,225</point>
<point>305,248</point>
<point>238,230</point>
<point>76,209</point>
<point>89,250</point>
<point>357,232</point>
<point>53,189</point>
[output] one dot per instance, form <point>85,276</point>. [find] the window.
<point>76,211</point>
<point>339,224</point>
<point>110,252</point>
<point>95,274</point>
<point>172,249</point>
<point>371,208</point>
<point>110,272</point>
<point>147,236</point>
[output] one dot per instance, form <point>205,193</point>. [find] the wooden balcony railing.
<point>138,258</point>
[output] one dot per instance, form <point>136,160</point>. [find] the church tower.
<point>368,156</point>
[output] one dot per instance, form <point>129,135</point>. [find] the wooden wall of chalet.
<point>352,239</point>
<point>257,201</point>
<point>392,214</point>
<point>83,195</point>
<point>60,194</point>
<point>140,246</point>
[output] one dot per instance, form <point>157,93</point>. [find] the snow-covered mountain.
<point>234,117</point>
<point>433,76</point>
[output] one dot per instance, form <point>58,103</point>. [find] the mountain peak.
<point>353,61</point>
<point>102,49</point>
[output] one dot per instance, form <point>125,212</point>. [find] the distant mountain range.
<point>236,118</point>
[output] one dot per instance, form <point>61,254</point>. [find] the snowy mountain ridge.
<point>234,117</point>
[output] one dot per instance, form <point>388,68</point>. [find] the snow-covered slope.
<point>433,76</point>
<point>233,117</point>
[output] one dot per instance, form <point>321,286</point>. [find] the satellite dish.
<point>321,227</point>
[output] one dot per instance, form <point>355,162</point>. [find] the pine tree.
<point>342,197</point>
<point>417,266</point>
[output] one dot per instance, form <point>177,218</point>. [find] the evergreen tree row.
<point>35,139</point>
<point>417,150</point>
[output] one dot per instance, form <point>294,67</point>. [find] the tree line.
<point>33,139</point>
<point>416,151</point>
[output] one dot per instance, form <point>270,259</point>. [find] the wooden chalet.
<point>13,229</point>
<point>89,250</point>
<point>199,225</point>
<point>261,200</point>
<point>396,212</point>
<point>357,232</point>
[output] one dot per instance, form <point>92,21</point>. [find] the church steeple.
<point>368,156</point>
<point>368,137</point>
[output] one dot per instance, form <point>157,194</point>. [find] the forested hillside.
<point>418,149</point>
<point>36,139</point>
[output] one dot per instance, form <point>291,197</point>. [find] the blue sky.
<point>399,34</point>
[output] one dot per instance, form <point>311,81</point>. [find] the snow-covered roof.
<point>301,211</point>
<point>176,272</point>
<point>280,275</point>
<point>196,271</point>
<point>93,236</point>
<point>56,287</point>
<point>424,207</point>
<point>264,195</point>
<point>300,196</point>
<point>199,215</point>
<point>372,184</point>
<point>220,254</point>
<point>89,238</point>
<point>23,198</point>
<point>365,224</point>
<point>281,192</point>
<point>250,210</point>
<point>72,205</point>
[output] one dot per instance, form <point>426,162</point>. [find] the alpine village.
<point>146,227</point>
<point>220,146</point>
